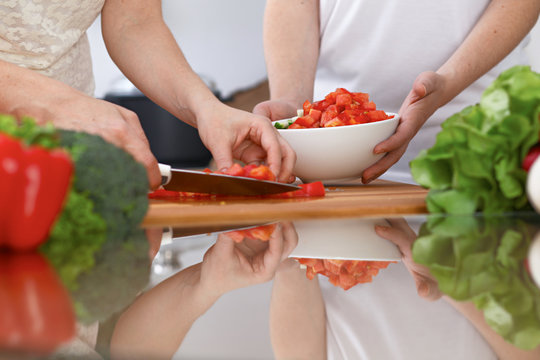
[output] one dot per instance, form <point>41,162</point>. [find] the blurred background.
<point>224,46</point>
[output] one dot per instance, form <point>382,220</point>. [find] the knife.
<point>211,183</point>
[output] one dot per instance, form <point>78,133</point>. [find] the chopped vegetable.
<point>260,172</point>
<point>476,162</point>
<point>339,108</point>
<point>343,273</point>
<point>262,232</point>
<point>34,182</point>
<point>111,178</point>
<point>36,312</point>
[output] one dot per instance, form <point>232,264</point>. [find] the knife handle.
<point>165,171</point>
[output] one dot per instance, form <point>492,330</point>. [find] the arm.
<point>503,349</point>
<point>499,30</point>
<point>291,46</point>
<point>27,93</point>
<point>142,46</point>
<point>297,315</point>
<point>157,322</point>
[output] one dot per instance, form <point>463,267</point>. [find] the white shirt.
<point>381,46</point>
<point>49,36</point>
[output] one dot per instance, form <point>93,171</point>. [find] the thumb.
<point>424,84</point>
<point>262,109</point>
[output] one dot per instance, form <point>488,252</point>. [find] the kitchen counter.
<point>392,282</point>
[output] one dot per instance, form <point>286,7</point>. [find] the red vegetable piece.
<point>531,156</point>
<point>39,180</point>
<point>36,313</point>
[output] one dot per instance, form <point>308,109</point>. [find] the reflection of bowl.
<point>337,153</point>
<point>347,239</point>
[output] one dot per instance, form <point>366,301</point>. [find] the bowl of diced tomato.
<point>334,138</point>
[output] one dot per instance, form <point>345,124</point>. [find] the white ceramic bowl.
<point>337,154</point>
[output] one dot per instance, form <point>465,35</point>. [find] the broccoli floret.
<point>115,182</point>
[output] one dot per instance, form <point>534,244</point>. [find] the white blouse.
<point>49,36</point>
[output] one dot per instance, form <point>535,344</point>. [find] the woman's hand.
<point>231,133</point>
<point>48,100</point>
<point>421,102</point>
<point>229,265</point>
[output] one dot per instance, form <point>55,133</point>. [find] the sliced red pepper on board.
<point>36,313</point>
<point>34,183</point>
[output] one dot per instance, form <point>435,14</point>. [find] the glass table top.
<point>389,287</point>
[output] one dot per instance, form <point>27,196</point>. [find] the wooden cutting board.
<point>378,198</point>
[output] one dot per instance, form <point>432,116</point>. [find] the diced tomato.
<point>235,170</point>
<point>360,97</point>
<point>306,107</point>
<point>248,168</point>
<point>343,99</point>
<point>164,194</point>
<point>236,236</point>
<point>334,122</point>
<point>315,114</point>
<point>369,106</point>
<point>330,98</point>
<point>376,115</point>
<point>296,126</point>
<point>262,232</point>
<point>305,121</point>
<point>262,172</point>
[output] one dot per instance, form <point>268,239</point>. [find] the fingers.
<point>222,154</point>
<point>381,166</point>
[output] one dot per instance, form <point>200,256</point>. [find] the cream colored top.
<point>49,36</point>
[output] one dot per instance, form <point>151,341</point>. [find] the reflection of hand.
<point>403,236</point>
<point>230,133</point>
<point>228,265</point>
<point>154,237</point>
<point>419,105</point>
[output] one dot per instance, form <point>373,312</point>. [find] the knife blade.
<point>211,183</point>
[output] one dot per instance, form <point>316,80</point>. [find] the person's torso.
<point>381,46</point>
<point>49,36</point>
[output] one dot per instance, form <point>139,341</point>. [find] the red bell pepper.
<point>34,182</point>
<point>36,313</point>
<point>531,156</point>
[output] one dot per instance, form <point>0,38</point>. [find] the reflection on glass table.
<point>444,287</point>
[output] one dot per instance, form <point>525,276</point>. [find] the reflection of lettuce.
<point>475,164</point>
<point>482,260</point>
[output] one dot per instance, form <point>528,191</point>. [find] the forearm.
<point>158,321</point>
<point>142,46</point>
<point>500,29</point>
<point>297,316</point>
<point>503,349</point>
<point>291,47</point>
<point>28,93</point>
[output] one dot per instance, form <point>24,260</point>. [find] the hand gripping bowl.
<point>337,154</point>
